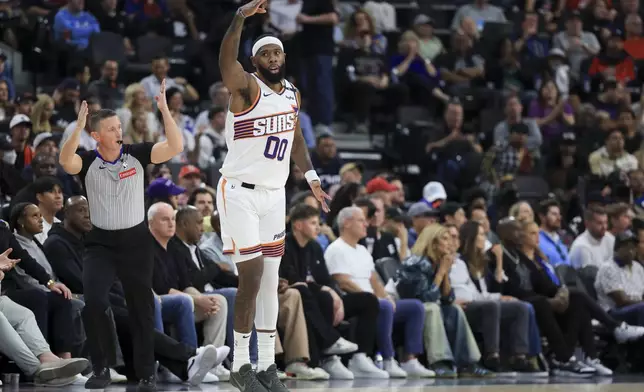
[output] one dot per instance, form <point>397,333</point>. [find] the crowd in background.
<point>516,248</point>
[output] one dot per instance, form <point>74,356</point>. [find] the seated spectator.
<point>599,19</point>
<point>6,77</point>
<point>20,128</point>
<point>114,20</point>
<point>421,216</point>
<point>505,70</point>
<point>550,243</point>
<point>448,339</point>
<point>509,159</point>
<point>632,129</point>
<point>552,112</point>
<point>326,234</point>
<point>415,72</point>
<point>212,138</point>
<point>190,178</point>
<point>31,286</point>
<point>67,104</point>
<point>429,46</point>
<point>219,96</point>
<point>479,11</point>
<point>137,101</point>
<point>45,144</point>
<point>453,213</point>
<point>478,213</point>
<point>349,172</point>
<point>352,268</point>
<point>367,77</point>
<point>22,342</point>
<point>213,247</point>
<point>24,103</point>
<point>461,68</point>
<point>489,313</point>
<point>636,181</point>
<point>519,284</point>
<point>326,161</point>
<point>577,45</point>
<point>164,191</point>
<point>380,244</point>
<point>522,211</point>
<point>74,26</point>
<point>614,61</point>
<point>6,107</point>
<point>620,219</point>
<point>41,115</point>
<point>513,116</point>
<point>634,42</point>
<point>620,282</point>
<point>359,22</point>
<point>344,197</point>
<point>107,89</point>
<point>160,68</point>
<point>144,12</point>
<point>608,102</point>
<point>530,45</point>
<point>612,157</point>
<point>593,247</point>
<point>171,283</point>
<point>137,131</point>
<point>49,194</point>
<point>383,13</point>
<point>184,122</point>
<point>576,306</point>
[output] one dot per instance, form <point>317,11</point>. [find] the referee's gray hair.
<point>154,209</point>
<point>346,213</point>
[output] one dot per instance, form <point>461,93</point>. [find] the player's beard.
<point>272,77</point>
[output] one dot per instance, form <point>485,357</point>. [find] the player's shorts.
<point>253,221</point>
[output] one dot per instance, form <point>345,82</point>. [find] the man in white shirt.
<point>351,266</point>
<point>620,282</point>
<point>160,68</point>
<point>87,142</point>
<point>212,140</point>
<point>219,96</point>
<point>593,247</point>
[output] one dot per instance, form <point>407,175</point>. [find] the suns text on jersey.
<point>283,122</point>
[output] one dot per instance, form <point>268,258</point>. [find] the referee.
<point>119,244</point>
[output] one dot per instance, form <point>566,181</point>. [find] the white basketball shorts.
<point>253,221</point>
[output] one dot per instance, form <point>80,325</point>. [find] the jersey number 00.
<point>275,148</point>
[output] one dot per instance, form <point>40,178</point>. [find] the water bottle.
<point>379,361</point>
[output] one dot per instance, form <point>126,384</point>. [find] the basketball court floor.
<point>616,384</point>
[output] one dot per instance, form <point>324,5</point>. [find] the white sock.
<point>241,355</point>
<point>265,350</point>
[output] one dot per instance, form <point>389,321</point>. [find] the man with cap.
<point>434,194</point>
<point>620,282</point>
<point>20,128</point>
<point>380,186</point>
<point>24,103</point>
<point>576,43</point>
<point>165,190</point>
<point>422,215</point>
<point>430,46</point>
<point>190,178</point>
<point>45,143</point>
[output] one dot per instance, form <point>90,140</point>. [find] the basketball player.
<point>119,244</point>
<point>262,134</point>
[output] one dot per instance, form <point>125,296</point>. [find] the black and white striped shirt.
<point>116,190</point>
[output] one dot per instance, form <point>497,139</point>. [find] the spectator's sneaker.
<point>391,366</point>
<point>363,367</point>
<point>444,370</point>
<point>627,333</point>
<point>100,379</point>
<point>341,346</point>
<point>301,371</point>
<point>62,368</point>
<point>210,379</point>
<point>414,369</point>
<point>117,378</point>
<point>493,364</point>
<point>148,384</point>
<point>336,369</point>
<point>526,367</point>
<point>56,382</point>
<point>599,367</point>
<point>80,380</point>
<point>270,380</point>
<point>246,380</point>
<point>166,376</point>
<point>475,371</point>
<point>572,368</point>
<point>221,372</point>
<point>282,375</point>
<point>200,364</point>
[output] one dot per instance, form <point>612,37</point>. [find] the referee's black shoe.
<point>100,379</point>
<point>148,384</point>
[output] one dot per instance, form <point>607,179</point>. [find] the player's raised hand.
<point>253,7</point>
<point>319,194</point>
<point>81,121</point>
<point>162,103</point>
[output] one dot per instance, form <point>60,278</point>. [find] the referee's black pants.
<point>128,255</point>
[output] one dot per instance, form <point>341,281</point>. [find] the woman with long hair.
<point>137,130</point>
<point>344,197</point>
<point>490,313</point>
<point>137,101</point>
<point>6,107</point>
<point>551,111</point>
<point>449,341</point>
<point>41,114</point>
<point>573,309</point>
<point>358,22</point>
<point>522,211</point>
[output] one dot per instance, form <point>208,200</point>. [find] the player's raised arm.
<point>69,160</point>
<point>232,72</point>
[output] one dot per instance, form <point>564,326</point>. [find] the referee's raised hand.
<point>81,121</point>
<point>162,102</point>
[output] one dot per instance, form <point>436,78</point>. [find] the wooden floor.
<point>617,384</point>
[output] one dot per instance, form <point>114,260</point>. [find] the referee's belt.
<point>247,185</point>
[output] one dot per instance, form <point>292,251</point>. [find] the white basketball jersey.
<point>260,138</point>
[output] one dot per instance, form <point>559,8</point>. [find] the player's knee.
<point>250,276</point>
